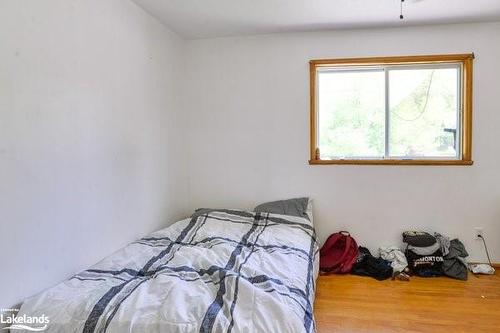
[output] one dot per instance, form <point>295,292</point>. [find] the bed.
<point>218,271</point>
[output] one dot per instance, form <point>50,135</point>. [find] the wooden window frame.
<point>466,63</point>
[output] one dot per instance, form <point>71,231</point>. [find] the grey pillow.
<point>293,207</point>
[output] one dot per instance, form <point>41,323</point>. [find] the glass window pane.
<point>351,112</point>
<point>423,112</point>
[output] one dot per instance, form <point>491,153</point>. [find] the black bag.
<point>425,265</point>
<point>423,254</point>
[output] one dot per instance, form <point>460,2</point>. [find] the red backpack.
<point>338,254</point>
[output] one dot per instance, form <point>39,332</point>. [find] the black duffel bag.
<point>425,265</point>
<point>423,253</point>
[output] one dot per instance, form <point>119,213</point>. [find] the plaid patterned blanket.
<point>219,271</point>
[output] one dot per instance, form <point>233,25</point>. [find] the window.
<point>393,110</point>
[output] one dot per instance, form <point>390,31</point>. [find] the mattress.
<point>218,271</point>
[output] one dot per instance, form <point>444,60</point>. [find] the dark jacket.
<point>368,265</point>
<point>454,262</point>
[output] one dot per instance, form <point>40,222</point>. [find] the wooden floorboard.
<point>347,303</point>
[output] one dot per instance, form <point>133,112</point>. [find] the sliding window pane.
<point>423,112</point>
<point>351,113</point>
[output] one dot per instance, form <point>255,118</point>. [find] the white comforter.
<point>220,271</point>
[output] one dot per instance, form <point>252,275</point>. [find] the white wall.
<point>90,136</point>
<point>93,136</point>
<point>248,101</point>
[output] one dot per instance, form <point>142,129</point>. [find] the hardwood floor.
<point>347,303</point>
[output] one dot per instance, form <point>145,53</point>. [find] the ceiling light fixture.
<point>401,11</point>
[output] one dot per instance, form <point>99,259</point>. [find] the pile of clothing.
<point>426,255</point>
<point>391,263</point>
<point>368,265</point>
<point>435,255</point>
<point>398,261</point>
